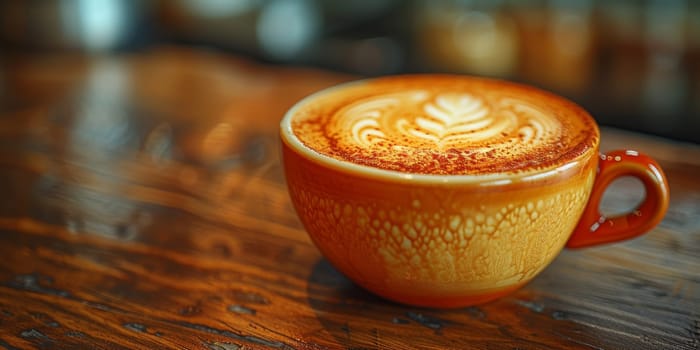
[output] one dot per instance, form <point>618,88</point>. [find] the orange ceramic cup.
<point>452,240</point>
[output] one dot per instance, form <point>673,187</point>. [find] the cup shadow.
<point>358,319</point>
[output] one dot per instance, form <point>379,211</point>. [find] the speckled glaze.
<point>437,243</point>
<point>458,240</point>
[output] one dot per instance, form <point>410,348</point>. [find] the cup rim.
<point>485,180</point>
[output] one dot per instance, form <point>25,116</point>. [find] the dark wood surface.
<point>143,206</point>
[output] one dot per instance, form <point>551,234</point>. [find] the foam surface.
<point>444,125</point>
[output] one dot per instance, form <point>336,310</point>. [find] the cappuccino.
<point>443,125</point>
<point>448,191</point>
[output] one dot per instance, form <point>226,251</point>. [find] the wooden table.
<point>143,206</point>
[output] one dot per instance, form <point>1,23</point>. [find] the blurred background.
<point>632,64</point>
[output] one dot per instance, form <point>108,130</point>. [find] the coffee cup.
<point>448,190</point>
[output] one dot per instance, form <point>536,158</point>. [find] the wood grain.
<point>144,207</point>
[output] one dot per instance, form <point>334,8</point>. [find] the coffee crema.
<point>443,125</point>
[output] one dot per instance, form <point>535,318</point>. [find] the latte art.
<point>447,121</point>
<point>450,118</point>
<point>441,125</point>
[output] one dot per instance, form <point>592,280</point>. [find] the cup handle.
<point>594,228</point>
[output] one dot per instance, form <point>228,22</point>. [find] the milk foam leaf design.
<point>453,119</point>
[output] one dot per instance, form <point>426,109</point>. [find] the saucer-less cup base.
<point>449,301</point>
